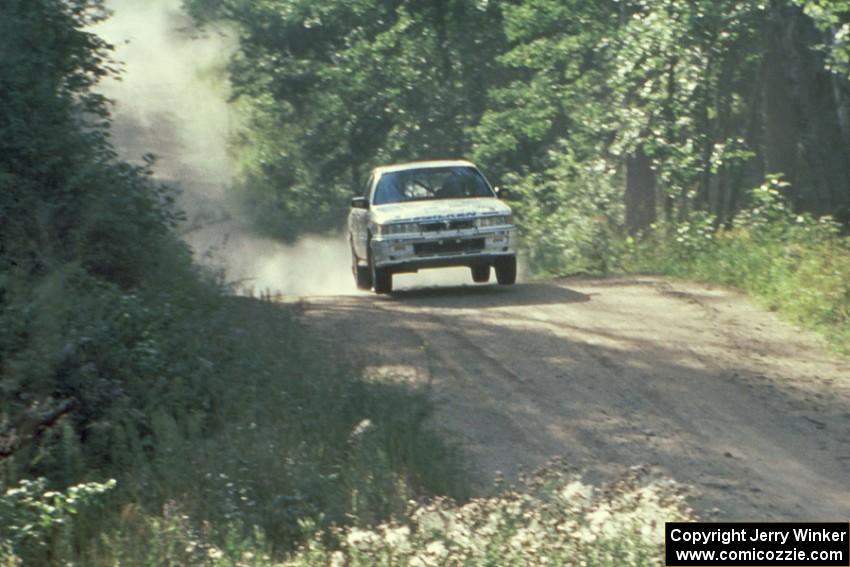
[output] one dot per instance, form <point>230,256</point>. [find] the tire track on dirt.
<point>692,381</point>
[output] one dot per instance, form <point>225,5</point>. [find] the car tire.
<point>506,270</point>
<point>480,274</point>
<point>382,278</point>
<point>362,274</point>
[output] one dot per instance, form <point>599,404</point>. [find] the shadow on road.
<point>485,296</point>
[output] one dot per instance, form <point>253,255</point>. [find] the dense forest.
<point>706,139</point>
<point>668,107</point>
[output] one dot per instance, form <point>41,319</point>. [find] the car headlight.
<point>496,220</point>
<point>397,228</point>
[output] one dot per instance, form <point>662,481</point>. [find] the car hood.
<point>438,209</point>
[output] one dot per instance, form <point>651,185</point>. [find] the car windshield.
<point>458,182</point>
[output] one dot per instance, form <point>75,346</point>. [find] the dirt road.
<point>691,381</point>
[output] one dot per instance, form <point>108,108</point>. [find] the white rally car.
<point>429,214</point>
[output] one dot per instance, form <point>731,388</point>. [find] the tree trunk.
<point>640,192</point>
<point>839,92</point>
<point>824,148</point>
<point>780,117</point>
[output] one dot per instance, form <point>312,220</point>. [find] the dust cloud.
<point>172,101</point>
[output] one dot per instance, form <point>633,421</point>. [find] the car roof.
<point>422,164</point>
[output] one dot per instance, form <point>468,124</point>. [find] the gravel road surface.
<point>691,381</point>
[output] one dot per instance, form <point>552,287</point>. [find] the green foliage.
<point>73,338</point>
<point>57,177</point>
<point>89,264</point>
<point>570,217</point>
<point>833,18</point>
<point>698,88</point>
<point>36,522</point>
<point>557,64</point>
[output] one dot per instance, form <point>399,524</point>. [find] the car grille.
<point>448,246</point>
<point>447,225</point>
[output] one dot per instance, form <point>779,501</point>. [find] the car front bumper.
<point>409,253</point>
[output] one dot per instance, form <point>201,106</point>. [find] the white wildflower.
<point>576,490</point>
<point>361,429</point>
<point>398,538</point>
<point>360,539</point>
<point>436,549</point>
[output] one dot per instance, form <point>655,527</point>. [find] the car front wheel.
<point>506,270</point>
<point>480,274</point>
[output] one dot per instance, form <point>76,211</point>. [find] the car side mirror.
<point>359,203</point>
<point>503,193</point>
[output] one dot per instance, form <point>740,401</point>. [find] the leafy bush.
<point>569,217</point>
<point>109,355</point>
<point>36,522</point>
